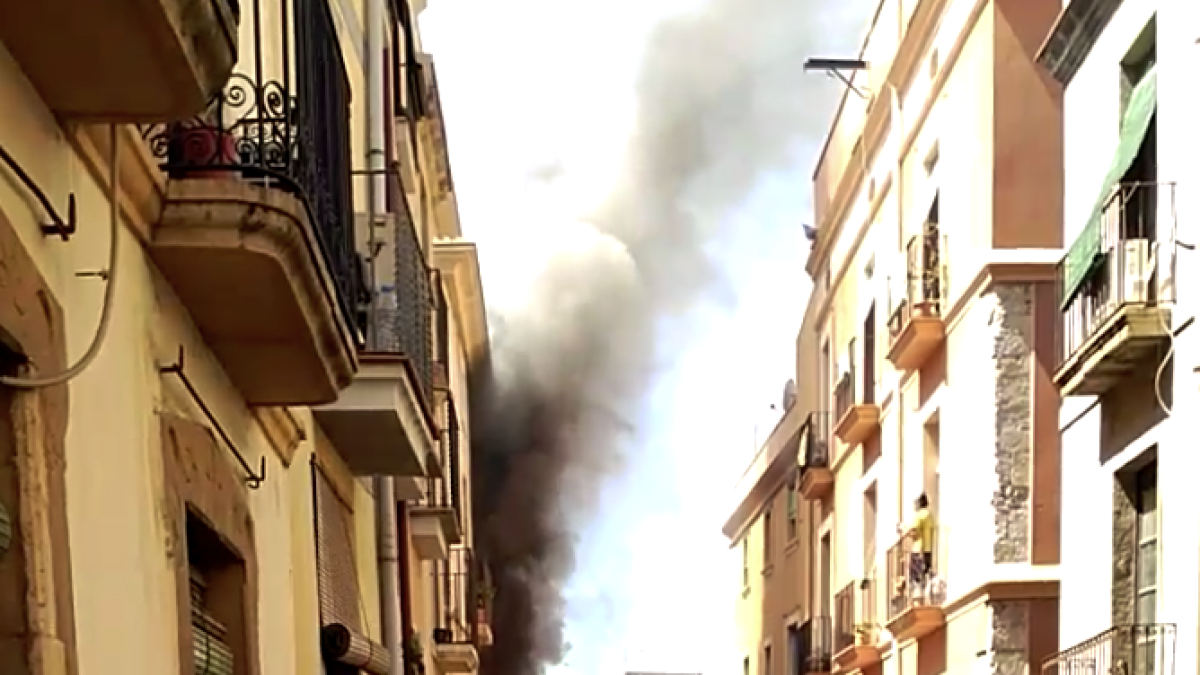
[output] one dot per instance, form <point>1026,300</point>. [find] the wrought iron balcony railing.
<point>1127,268</point>
<point>915,574</point>
<point>854,614</point>
<point>1139,649</point>
<point>924,281</point>
<point>815,433</point>
<point>844,394</point>
<point>282,120</point>
<point>816,645</point>
<point>406,308</point>
<point>456,608</point>
<point>444,489</point>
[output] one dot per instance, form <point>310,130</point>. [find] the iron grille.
<point>283,123</point>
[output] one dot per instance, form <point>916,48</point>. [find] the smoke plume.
<point>722,102</point>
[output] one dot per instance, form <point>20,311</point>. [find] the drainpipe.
<point>898,182</point>
<point>405,575</point>
<point>385,486</point>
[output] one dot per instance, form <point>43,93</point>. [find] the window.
<point>1145,610</point>
<point>1146,563</point>
<point>869,528</point>
<point>1138,61</point>
<point>767,539</point>
<point>795,650</point>
<point>217,579</point>
<point>767,660</point>
<point>746,561</point>
<point>793,512</point>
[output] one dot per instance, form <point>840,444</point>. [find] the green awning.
<point>1085,253</point>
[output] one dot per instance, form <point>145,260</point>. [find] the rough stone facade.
<point>1010,638</point>
<point>1124,552</point>
<point>1012,359</point>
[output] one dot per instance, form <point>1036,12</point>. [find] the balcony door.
<point>868,369</point>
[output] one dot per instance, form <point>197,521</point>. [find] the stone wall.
<point>1010,637</point>
<point>1012,358</point>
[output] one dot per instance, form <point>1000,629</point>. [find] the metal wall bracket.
<point>57,225</point>
<point>254,479</point>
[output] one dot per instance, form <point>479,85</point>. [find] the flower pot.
<point>197,147</point>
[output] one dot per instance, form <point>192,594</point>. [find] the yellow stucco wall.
<point>124,583</point>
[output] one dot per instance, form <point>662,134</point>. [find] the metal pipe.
<point>375,15</point>
<point>389,570</point>
<point>405,575</point>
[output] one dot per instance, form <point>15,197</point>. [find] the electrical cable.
<point>1162,366</point>
<point>106,309</point>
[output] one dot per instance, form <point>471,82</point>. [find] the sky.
<point>540,88</point>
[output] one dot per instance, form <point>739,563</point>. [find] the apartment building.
<point>935,509</point>
<point>770,527</point>
<point>235,314</point>
<point>1129,543</point>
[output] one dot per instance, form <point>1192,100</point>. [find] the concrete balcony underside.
<point>1120,345</point>
<point>916,622</point>
<point>916,341</point>
<point>856,657</point>
<point>816,483</point>
<point>122,60</point>
<point>858,423</point>
<point>245,262</point>
<point>456,657</point>
<point>376,424</point>
<point>434,530</point>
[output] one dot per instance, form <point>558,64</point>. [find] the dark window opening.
<point>217,588</point>
<point>767,539</point>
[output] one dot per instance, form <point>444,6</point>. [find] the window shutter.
<point>211,655</point>
<point>337,575</point>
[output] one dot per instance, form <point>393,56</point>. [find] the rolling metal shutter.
<point>337,575</point>
<point>211,655</point>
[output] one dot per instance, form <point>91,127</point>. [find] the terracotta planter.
<point>923,309</point>
<point>202,146</point>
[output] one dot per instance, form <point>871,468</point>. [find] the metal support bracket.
<point>57,225</point>
<point>254,479</point>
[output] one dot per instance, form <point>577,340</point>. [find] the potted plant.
<point>414,656</point>
<point>199,144</point>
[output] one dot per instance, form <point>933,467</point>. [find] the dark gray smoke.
<point>722,102</point>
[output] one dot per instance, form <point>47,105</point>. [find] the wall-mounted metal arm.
<point>57,226</point>
<point>253,479</point>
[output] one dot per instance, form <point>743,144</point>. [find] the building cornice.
<point>458,261</point>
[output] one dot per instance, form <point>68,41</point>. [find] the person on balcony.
<point>920,533</point>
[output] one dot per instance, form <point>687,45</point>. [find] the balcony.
<point>456,610</point>
<point>257,233</point>
<point>125,61</point>
<point>816,646</point>
<point>383,422</point>
<point>816,478</point>
<point>856,420</point>
<point>915,326</point>
<point>855,632</point>
<point>916,588</point>
<point>437,517</point>
<point>1115,316</point>
<point>1139,649</point>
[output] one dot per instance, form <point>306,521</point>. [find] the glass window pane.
<point>1145,658</point>
<point>1147,525</point>
<point>1147,565</point>
<point>1147,608</point>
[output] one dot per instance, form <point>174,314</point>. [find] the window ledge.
<point>791,547</point>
